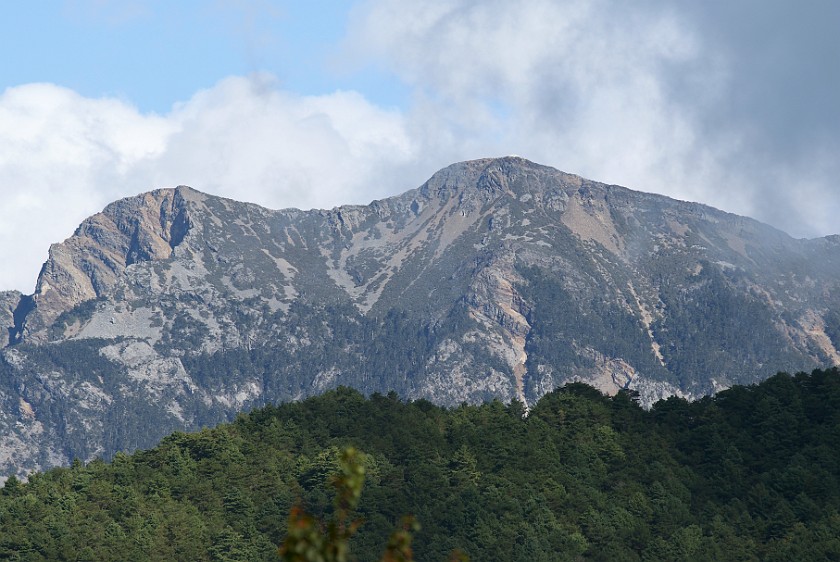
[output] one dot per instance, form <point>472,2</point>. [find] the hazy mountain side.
<point>496,278</point>
<point>88,398</point>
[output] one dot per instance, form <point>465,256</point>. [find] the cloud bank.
<point>65,157</point>
<point>730,105</point>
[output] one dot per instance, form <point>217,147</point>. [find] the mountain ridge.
<point>497,278</point>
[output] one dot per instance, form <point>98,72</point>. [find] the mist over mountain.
<point>497,278</point>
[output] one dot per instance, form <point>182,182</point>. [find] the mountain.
<point>497,278</point>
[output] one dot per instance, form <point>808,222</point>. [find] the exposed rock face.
<point>9,301</point>
<point>89,264</point>
<point>497,278</point>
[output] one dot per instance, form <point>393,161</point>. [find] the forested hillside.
<point>750,474</point>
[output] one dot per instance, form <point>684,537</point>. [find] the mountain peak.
<point>187,193</point>
<point>476,183</point>
<point>497,278</point>
<point>86,266</point>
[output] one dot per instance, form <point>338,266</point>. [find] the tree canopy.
<point>752,473</point>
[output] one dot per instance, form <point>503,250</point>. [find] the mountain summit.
<point>498,278</point>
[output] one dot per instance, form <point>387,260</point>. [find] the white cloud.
<point>248,140</point>
<point>640,94</point>
<point>65,156</point>
<point>572,84</point>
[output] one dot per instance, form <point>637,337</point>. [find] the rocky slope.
<point>9,301</point>
<point>498,278</point>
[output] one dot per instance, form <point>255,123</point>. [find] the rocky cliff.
<point>90,264</point>
<point>497,278</point>
<point>9,301</point>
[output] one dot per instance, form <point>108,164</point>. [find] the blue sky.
<point>316,104</point>
<point>154,54</point>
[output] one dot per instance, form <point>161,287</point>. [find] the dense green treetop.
<point>750,474</point>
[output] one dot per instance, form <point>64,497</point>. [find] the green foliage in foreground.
<point>311,540</point>
<point>751,474</point>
